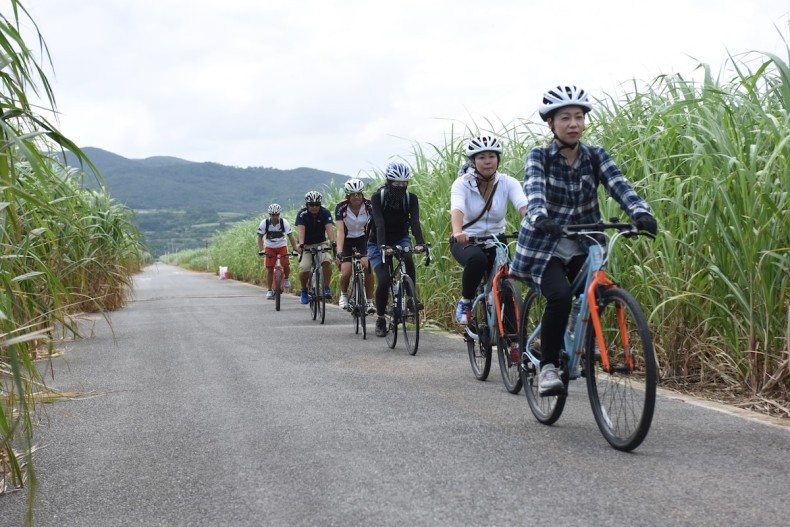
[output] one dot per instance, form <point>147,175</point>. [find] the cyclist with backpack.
<point>272,232</point>
<point>396,212</point>
<point>314,226</point>
<point>352,216</point>
<point>561,183</point>
<point>478,205</point>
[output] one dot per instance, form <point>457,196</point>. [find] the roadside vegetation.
<point>64,249</point>
<point>711,156</point>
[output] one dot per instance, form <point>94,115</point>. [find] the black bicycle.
<point>403,307</point>
<point>315,290</point>
<point>358,301</point>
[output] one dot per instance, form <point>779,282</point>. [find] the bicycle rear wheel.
<point>278,287</point>
<point>622,399</point>
<point>410,319</point>
<point>479,349</point>
<point>508,344</point>
<point>392,316</point>
<point>545,409</point>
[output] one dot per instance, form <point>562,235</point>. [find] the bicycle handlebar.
<point>628,229</point>
<point>480,240</point>
<point>399,250</point>
<point>273,255</point>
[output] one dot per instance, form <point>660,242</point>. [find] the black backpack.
<point>272,235</point>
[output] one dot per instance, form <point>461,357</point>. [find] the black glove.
<point>646,222</point>
<point>546,225</point>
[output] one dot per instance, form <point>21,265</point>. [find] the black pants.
<point>556,287</point>
<point>383,280</point>
<point>476,262</point>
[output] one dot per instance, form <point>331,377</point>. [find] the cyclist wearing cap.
<point>271,239</point>
<point>396,211</point>
<point>352,216</point>
<point>478,205</point>
<point>561,183</point>
<point>314,226</point>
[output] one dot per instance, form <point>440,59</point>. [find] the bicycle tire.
<point>545,409</point>
<point>410,315</point>
<point>320,294</point>
<point>479,350</point>
<point>623,400</point>
<point>360,304</point>
<point>278,287</point>
<point>508,343</point>
<point>393,319</point>
<point>313,296</point>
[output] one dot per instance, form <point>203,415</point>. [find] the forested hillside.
<point>181,204</point>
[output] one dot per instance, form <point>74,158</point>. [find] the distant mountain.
<point>170,183</point>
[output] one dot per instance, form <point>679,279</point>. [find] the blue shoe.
<point>287,284</point>
<point>305,299</point>
<point>463,312</point>
<point>327,292</point>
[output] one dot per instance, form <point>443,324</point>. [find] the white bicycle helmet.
<point>274,208</point>
<point>397,172</point>
<point>563,96</point>
<point>353,185</point>
<point>484,143</point>
<point>312,197</point>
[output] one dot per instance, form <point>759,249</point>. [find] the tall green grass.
<point>710,154</point>
<point>63,249</point>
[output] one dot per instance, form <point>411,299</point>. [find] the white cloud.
<point>345,85</point>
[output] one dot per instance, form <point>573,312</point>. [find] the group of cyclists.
<point>559,188</point>
<point>369,226</point>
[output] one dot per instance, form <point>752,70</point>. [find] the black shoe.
<point>381,327</point>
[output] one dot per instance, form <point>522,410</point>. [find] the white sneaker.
<point>287,284</point>
<point>370,307</point>
<point>549,382</point>
<point>269,295</point>
<point>343,302</point>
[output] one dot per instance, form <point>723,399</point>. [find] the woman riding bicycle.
<point>352,216</point>
<point>561,183</point>
<point>396,211</point>
<point>271,239</point>
<point>478,204</point>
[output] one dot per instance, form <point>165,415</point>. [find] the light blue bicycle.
<point>607,341</point>
<point>495,317</point>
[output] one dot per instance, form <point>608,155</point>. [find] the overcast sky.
<point>346,85</point>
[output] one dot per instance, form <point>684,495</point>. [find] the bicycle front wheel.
<point>313,295</point>
<point>545,409</point>
<point>509,311</point>
<point>393,319</point>
<point>479,349</point>
<point>360,304</point>
<point>278,288</point>
<point>623,399</point>
<point>410,316</point>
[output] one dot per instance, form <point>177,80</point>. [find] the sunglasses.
<point>313,204</point>
<point>399,184</point>
<point>354,194</point>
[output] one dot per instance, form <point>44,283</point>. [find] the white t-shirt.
<point>466,197</point>
<point>276,233</point>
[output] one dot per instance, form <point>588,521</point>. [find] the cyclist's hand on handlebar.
<point>548,226</point>
<point>646,222</point>
<point>261,252</point>
<point>460,237</point>
<point>419,248</point>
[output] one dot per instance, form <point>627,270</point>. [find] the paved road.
<point>204,406</point>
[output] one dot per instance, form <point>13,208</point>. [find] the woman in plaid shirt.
<point>561,183</point>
